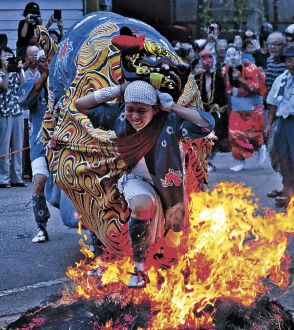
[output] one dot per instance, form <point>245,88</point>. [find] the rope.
<point>14,152</point>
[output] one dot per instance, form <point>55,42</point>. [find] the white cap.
<point>290,29</point>
<point>40,54</point>
<point>140,91</point>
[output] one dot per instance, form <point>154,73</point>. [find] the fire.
<point>231,247</point>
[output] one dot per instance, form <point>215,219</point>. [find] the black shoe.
<point>282,201</point>
<point>275,193</point>
<point>19,184</point>
<point>5,185</point>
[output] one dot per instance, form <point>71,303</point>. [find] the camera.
<point>12,64</point>
<point>210,29</point>
<point>33,19</point>
<point>57,14</point>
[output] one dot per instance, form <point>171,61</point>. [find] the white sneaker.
<point>240,167</point>
<point>95,272</point>
<point>261,156</point>
<point>41,237</point>
<point>138,279</point>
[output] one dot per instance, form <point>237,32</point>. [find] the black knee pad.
<point>41,211</point>
<point>139,233</point>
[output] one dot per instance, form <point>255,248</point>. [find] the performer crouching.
<point>153,186</point>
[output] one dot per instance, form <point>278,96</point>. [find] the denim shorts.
<point>131,185</point>
<point>39,166</point>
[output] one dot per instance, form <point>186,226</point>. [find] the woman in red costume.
<point>245,86</point>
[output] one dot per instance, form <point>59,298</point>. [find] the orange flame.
<point>232,246</point>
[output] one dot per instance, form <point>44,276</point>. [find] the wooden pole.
<point>266,10</point>
<point>91,6</point>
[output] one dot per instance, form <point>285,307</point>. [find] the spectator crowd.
<point>246,83</point>
<point>21,119</point>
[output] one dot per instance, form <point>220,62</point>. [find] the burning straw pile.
<point>218,283</point>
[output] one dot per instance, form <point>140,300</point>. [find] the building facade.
<point>168,16</point>
<point>12,12</point>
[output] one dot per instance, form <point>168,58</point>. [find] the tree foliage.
<point>234,12</point>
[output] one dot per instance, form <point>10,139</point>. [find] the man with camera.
<point>11,120</point>
<point>213,32</point>
<point>26,36</point>
<point>55,18</point>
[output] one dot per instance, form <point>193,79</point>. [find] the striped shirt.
<point>274,67</point>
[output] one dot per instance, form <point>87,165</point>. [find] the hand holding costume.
<point>165,101</point>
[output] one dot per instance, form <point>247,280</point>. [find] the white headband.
<point>140,91</point>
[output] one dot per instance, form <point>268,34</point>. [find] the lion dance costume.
<point>101,50</point>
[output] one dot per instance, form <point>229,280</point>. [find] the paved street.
<point>32,273</point>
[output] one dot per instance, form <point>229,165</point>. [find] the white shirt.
<point>285,105</point>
